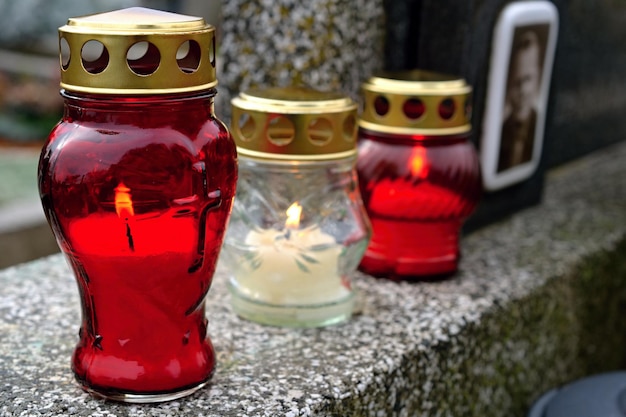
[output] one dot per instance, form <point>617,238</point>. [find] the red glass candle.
<point>418,173</point>
<point>137,183</point>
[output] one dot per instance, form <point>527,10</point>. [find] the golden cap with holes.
<point>294,123</point>
<point>137,51</point>
<point>416,103</point>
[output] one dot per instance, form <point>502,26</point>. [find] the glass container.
<point>137,182</point>
<point>298,228</point>
<point>418,171</point>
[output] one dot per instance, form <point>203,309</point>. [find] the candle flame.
<point>123,201</point>
<point>293,216</point>
<point>417,163</point>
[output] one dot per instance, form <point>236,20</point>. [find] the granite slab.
<point>329,45</point>
<point>485,342</point>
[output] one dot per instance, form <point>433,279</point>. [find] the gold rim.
<point>294,123</point>
<point>293,100</point>
<point>133,20</point>
<point>416,102</point>
<point>137,51</point>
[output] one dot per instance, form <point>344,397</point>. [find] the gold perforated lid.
<point>294,123</point>
<point>416,103</point>
<point>137,51</point>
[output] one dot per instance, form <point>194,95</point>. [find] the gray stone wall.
<point>327,44</point>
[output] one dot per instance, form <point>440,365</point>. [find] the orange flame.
<point>417,163</point>
<point>293,216</point>
<point>123,202</point>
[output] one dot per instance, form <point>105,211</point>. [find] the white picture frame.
<point>524,41</point>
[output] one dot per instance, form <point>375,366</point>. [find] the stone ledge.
<point>538,302</point>
<point>24,233</point>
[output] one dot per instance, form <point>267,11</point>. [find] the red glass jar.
<point>418,173</point>
<point>137,183</point>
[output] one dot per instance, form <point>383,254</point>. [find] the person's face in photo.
<point>524,81</point>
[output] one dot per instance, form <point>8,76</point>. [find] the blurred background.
<point>330,45</point>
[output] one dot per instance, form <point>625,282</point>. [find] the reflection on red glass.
<point>138,192</point>
<point>418,190</point>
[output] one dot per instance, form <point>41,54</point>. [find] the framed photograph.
<point>524,40</point>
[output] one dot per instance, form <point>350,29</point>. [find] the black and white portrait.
<point>522,93</point>
<point>521,65</point>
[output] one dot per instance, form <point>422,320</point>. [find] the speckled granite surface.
<point>539,301</point>
<point>327,44</point>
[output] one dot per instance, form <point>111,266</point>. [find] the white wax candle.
<point>293,267</point>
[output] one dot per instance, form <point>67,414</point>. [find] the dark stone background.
<point>588,89</point>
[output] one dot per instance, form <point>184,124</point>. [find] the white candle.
<point>293,267</point>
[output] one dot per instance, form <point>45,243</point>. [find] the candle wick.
<point>129,235</point>
<point>288,234</point>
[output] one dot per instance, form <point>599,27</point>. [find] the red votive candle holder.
<point>137,182</point>
<point>418,173</point>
